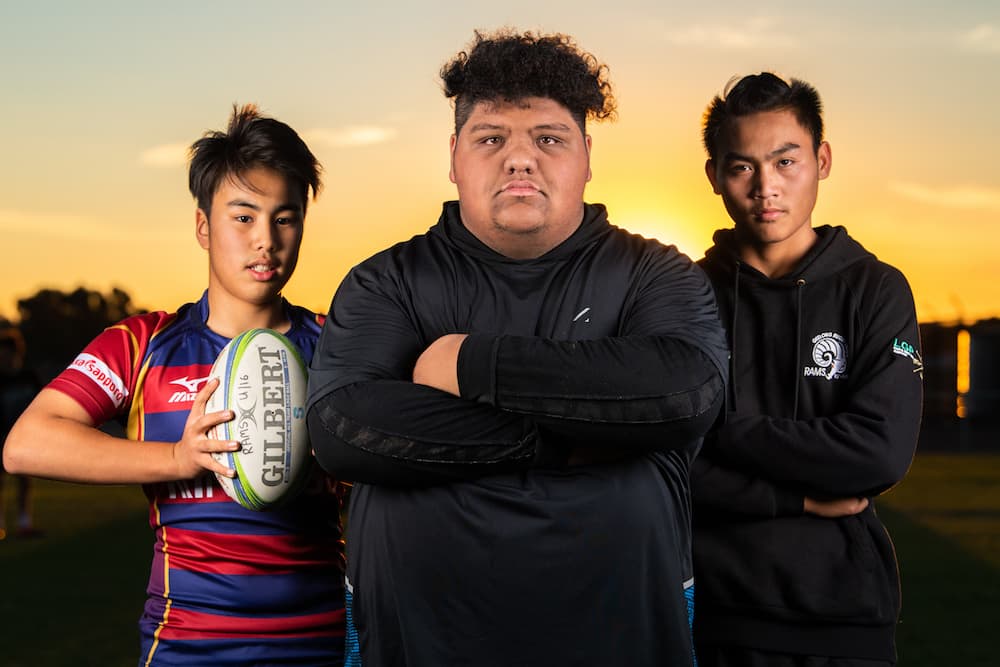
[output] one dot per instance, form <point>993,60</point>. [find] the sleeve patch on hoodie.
<point>904,349</point>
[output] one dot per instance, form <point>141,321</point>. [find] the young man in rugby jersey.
<point>228,586</point>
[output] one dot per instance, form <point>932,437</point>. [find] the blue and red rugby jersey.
<point>228,586</point>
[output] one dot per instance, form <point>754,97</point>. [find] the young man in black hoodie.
<point>518,393</point>
<point>792,565</point>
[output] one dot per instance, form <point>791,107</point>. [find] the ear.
<point>201,228</point>
<point>451,149</point>
<point>824,160</point>
<point>712,176</point>
<point>589,143</point>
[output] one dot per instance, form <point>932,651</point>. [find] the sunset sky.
<point>100,100</point>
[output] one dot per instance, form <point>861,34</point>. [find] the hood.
<point>450,227</point>
<point>833,251</point>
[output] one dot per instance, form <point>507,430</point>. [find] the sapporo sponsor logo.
<point>102,375</point>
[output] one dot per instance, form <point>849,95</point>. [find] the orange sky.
<point>95,181</point>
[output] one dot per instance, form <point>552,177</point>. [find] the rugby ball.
<point>262,379</point>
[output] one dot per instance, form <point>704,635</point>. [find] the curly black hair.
<point>510,66</point>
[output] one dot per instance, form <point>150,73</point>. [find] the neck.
<point>776,260</point>
<point>231,319</point>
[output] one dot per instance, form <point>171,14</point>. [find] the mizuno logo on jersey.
<point>190,385</point>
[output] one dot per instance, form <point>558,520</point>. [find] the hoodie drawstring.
<point>731,394</point>
<point>799,285</point>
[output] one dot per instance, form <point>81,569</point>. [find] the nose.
<point>265,235</point>
<point>520,155</point>
<point>765,183</point>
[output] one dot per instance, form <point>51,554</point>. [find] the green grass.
<point>945,521</point>
<point>74,597</point>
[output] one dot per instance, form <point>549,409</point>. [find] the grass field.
<point>73,597</point>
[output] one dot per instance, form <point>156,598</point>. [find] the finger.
<point>211,419</point>
<point>201,398</point>
<point>218,467</point>
<point>212,446</point>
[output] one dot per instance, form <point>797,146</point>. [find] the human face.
<point>768,176</point>
<point>521,169</point>
<point>252,237</point>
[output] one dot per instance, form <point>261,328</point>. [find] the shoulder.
<point>638,250</point>
<point>305,317</point>
<point>143,327</point>
<point>872,280</point>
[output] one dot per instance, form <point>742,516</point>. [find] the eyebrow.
<point>242,203</point>
<point>734,156</point>
<point>491,127</point>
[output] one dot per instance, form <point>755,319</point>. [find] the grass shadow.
<point>950,598</point>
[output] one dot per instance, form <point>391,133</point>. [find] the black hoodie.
<point>468,543</point>
<point>824,402</point>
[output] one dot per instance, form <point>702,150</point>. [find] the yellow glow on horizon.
<point>962,370</point>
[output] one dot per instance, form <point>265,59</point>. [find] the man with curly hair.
<point>518,394</point>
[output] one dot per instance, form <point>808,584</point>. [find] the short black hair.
<point>251,141</point>
<point>755,93</point>
<point>510,66</point>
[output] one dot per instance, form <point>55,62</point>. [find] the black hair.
<point>762,92</point>
<point>251,140</point>
<point>509,66</point>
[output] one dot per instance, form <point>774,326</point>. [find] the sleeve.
<point>369,423</point>
<point>531,400</point>
<point>866,447</point>
<point>658,384</point>
<point>734,494</point>
<point>103,376</point>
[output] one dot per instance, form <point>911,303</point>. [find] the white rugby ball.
<point>262,379</point>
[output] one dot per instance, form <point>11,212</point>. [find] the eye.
<point>244,218</point>
<point>737,169</point>
<point>492,141</point>
<point>548,140</point>
<point>786,162</point>
<point>287,220</point>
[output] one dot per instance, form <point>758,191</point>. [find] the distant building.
<point>939,346</point>
<point>962,370</point>
<point>982,402</point>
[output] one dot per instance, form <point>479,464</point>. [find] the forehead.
<point>258,183</point>
<point>763,131</point>
<point>525,111</point>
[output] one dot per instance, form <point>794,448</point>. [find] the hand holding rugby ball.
<point>262,379</point>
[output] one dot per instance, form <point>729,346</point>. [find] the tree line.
<point>56,325</point>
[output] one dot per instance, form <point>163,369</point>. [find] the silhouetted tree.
<point>57,325</point>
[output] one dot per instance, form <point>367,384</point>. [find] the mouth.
<point>520,189</point>
<point>768,214</point>
<point>262,270</point>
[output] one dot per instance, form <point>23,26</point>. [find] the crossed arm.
<point>478,404</point>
